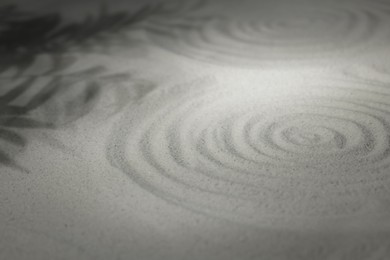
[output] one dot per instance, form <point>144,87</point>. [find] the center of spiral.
<point>300,136</point>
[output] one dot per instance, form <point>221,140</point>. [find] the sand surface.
<point>195,129</point>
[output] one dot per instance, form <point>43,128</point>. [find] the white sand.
<point>251,130</point>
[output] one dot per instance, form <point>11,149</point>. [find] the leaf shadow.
<point>24,36</point>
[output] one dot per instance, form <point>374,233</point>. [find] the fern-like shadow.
<point>25,36</point>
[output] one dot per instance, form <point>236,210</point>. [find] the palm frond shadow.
<point>24,36</point>
<point>17,107</point>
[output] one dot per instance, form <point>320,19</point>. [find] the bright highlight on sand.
<point>290,152</point>
<point>286,152</point>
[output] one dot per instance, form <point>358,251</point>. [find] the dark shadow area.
<point>24,36</point>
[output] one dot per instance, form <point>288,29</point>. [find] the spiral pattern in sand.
<point>260,154</point>
<point>283,35</point>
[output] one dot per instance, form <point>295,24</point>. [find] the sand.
<point>204,130</point>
